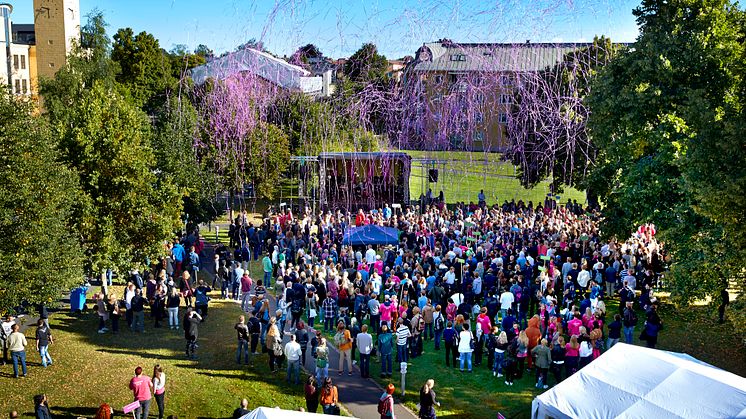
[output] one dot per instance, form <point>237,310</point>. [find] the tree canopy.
<point>39,254</point>
<point>667,119</point>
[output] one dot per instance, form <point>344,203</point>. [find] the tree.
<point>366,66</point>
<point>667,120</point>
<point>182,60</point>
<point>39,254</point>
<point>145,68</point>
<point>88,62</point>
<point>125,211</point>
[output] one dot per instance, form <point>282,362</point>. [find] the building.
<point>467,90</point>
<point>271,69</point>
<point>57,26</point>
<point>40,49</point>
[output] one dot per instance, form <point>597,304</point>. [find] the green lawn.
<point>465,174</point>
<point>90,369</point>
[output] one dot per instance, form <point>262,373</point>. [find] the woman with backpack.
<point>329,398</point>
<point>428,400</point>
<point>386,403</point>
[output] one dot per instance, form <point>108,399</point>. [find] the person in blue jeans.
<point>501,345</point>
<point>242,331</point>
<point>17,347</point>
<point>402,338</point>
<point>43,340</point>
<point>464,347</point>
<point>384,350</point>
<point>629,321</point>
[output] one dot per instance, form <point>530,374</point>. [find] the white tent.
<point>277,413</point>
<point>634,382</point>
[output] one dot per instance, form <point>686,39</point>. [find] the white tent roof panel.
<point>634,382</point>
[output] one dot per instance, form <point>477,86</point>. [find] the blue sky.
<point>339,27</point>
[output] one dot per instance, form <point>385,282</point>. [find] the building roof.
<point>444,56</point>
<point>275,70</point>
<point>366,156</point>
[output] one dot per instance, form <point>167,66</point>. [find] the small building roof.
<point>366,155</point>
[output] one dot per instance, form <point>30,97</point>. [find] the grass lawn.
<point>91,368</point>
<point>465,174</point>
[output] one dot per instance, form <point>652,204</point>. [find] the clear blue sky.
<point>339,27</point>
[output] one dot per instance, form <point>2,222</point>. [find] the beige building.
<point>28,51</point>
<point>468,89</point>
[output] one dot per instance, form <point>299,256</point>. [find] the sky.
<point>340,27</point>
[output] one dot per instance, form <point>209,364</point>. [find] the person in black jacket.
<point>301,336</point>
<point>191,325</point>
<point>255,329</point>
<point>558,359</point>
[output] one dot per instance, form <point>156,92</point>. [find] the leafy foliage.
<point>39,253</point>
<point>125,211</point>
<point>146,68</point>
<point>668,123</point>
<point>366,65</point>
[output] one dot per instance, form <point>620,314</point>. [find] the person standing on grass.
<point>115,312</point>
<point>201,299</point>
<point>450,337</point>
<point>465,347</point>
<point>246,283</point>
<point>386,403</point>
<point>172,306</point>
<point>543,362</point>
<point>138,311</point>
<point>293,353</point>
<point>343,340</point>
<point>301,336</point>
<point>438,325</point>
<point>242,332</point>
<point>191,324</point>
<point>255,330</point>
<point>385,348</point>
<point>311,392</point>
<point>41,407</point>
<point>236,276</point>
<point>629,322</point>
<point>141,386</point>
<point>103,314</point>
<point>558,358</point>
<point>273,343</point>
<point>159,389</point>
<point>329,307</point>
<point>43,340</point>
<point>5,331</point>
<point>365,346</point>
<point>428,401</point>
<point>267,267</point>
<point>17,347</point>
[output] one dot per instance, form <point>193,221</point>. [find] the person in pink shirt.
<point>141,385</point>
<point>484,320</point>
<point>378,265</point>
<point>386,309</point>
<point>451,310</point>
<point>573,326</point>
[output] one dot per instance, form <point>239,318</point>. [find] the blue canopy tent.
<point>370,234</point>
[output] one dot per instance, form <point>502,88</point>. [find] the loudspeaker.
<point>432,175</point>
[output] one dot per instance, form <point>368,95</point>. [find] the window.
<point>438,79</point>
<point>479,137</point>
<point>23,62</point>
<point>503,118</point>
<point>457,57</point>
<point>25,86</point>
<point>505,80</point>
<point>15,62</point>
<point>50,42</point>
<point>479,98</point>
<point>18,87</point>
<point>51,65</point>
<point>479,117</point>
<point>506,99</point>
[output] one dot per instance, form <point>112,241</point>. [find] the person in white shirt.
<point>159,389</point>
<point>464,347</point>
<point>506,302</point>
<point>7,329</point>
<point>365,346</point>
<point>370,255</point>
<point>293,353</point>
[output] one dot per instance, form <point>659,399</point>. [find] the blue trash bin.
<point>77,299</point>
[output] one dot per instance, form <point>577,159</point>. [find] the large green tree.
<point>146,69</point>
<point>39,254</point>
<point>667,119</point>
<point>125,211</point>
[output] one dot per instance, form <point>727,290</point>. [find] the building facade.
<point>465,92</point>
<point>28,51</point>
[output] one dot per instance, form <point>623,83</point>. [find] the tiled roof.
<point>437,56</point>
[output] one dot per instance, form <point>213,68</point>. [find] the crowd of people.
<point>511,288</point>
